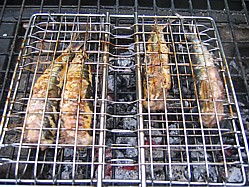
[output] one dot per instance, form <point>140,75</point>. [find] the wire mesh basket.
<point>135,137</point>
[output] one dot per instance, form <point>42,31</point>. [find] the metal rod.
<point>102,132</point>
<point>140,108</point>
<point>18,24</point>
<point>242,69</point>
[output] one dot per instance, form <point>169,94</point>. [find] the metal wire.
<point>131,145</point>
<point>177,132</point>
<point>47,36</point>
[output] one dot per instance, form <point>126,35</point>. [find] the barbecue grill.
<point>131,145</point>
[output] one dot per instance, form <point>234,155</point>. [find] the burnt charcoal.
<point>177,149</point>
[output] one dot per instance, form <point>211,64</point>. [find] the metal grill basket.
<point>131,145</point>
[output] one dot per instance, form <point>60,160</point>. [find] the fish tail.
<point>192,35</point>
<point>75,45</point>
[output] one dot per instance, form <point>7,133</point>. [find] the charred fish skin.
<point>76,112</point>
<point>210,85</point>
<point>45,97</point>
<point>157,73</point>
<point>50,81</point>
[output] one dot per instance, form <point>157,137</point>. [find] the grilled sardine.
<point>210,85</point>
<point>157,70</point>
<point>76,111</point>
<point>42,111</point>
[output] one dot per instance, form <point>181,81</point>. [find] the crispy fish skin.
<point>210,85</point>
<point>157,72</point>
<point>75,111</point>
<point>45,95</point>
<point>50,81</point>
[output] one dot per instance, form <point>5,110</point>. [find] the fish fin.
<point>159,28</point>
<point>192,35</point>
<point>85,55</point>
<point>192,27</point>
<point>74,45</point>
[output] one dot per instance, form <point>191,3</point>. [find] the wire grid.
<point>121,164</point>
<point>46,38</point>
<point>131,145</point>
<point>178,148</point>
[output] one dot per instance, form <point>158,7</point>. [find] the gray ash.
<point>122,158</point>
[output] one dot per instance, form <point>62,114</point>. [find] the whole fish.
<point>157,71</point>
<point>210,85</point>
<point>44,101</point>
<point>76,112</point>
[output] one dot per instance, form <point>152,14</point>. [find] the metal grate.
<point>131,145</point>
<point>46,38</point>
<point>178,148</point>
<point>231,17</point>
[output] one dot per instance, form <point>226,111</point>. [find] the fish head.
<point>78,58</point>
